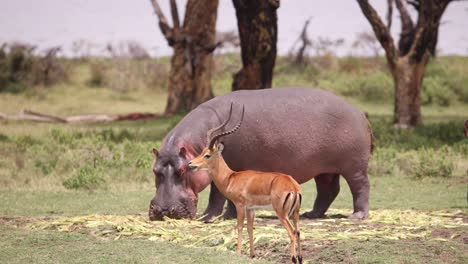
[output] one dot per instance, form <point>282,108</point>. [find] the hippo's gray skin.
<point>306,133</point>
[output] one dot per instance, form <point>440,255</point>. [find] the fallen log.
<point>34,116</point>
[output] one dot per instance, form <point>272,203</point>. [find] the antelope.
<point>251,189</point>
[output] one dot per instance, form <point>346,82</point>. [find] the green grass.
<point>405,193</point>
<point>22,246</point>
<point>36,161</point>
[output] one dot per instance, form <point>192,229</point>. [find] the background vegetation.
<point>69,170</point>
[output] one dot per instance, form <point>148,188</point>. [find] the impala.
<point>250,189</point>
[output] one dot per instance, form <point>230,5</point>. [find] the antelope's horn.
<point>216,137</point>
<point>210,132</point>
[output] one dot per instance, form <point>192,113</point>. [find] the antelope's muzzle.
<point>192,166</point>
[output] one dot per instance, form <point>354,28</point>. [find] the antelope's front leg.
<point>240,225</point>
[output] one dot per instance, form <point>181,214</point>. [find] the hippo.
<point>303,132</point>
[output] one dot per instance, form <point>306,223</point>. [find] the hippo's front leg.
<point>231,211</point>
<point>328,187</point>
<point>215,204</point>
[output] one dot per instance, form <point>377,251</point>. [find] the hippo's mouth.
<point>175,212</point>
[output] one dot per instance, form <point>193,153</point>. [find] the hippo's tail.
<point>371,133</point>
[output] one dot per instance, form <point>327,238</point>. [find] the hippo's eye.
<point>207,156</point>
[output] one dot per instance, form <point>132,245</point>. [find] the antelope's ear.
<point>220,147</point>
<point>155,152</point>
<point>182,152</point>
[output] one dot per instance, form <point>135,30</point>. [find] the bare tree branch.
<point>306,42</point>
<point>175,14</point>
<point>406,20</point>
<point>381,32</point>
<point>163,25</point>
<point>407,28</point>
<point>389,14</point>
<point>430,13</point>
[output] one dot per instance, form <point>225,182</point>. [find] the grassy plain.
<point>108,170</point>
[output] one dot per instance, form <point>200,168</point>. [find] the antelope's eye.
<point>207,156</point>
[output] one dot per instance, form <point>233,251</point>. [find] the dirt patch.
<point>15,221</point>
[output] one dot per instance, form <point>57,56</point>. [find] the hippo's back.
<point>303,132</point>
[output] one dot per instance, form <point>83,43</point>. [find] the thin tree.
<point>193,44</point>
<point>258,32</point>
<point>304,43</point>
<point>407,62</point>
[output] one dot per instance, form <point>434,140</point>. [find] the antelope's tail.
<point>292,202</point>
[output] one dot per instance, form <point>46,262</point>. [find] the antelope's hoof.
<point>294,259</point>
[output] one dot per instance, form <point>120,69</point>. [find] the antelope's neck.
<point>220,174</point>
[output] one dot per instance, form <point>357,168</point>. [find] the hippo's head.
<point>177,187</point>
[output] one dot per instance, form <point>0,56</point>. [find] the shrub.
<point>87,178</point>
<point>426,163</point>
<point>376,87</point>
<point>126,74</point>
<point>459,85</point>
<point>373,86</point>
<point>97,72</point>
<point>46,166</point>
<point>432,135</point>
<point>20,68</point>
<point>434,164</point>
<point>437,92</point>
<point>382,162</point>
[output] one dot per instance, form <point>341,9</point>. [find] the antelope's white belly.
<point>263,207</point>
<point>259,202</point>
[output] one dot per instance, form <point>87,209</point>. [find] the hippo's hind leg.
<point>328,187</point>
<point>359,185</point>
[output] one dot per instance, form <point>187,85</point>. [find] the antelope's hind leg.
<point>298,234</point>
<point>284,219</point>
<point>250,222</point>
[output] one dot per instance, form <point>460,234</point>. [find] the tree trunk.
<point>193,44</point>
<point>408,77</point>
<point>192,62</point>
<point>257,24</point>
<point>408,62</point>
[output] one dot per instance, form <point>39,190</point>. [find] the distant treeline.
<point>22,68</point>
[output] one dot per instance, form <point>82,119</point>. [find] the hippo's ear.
<point>182,152</point>
<point>220,147</point>
<point>155,152</point>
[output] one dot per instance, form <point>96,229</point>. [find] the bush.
<point>87,178</point>
<point>126,74</point>
<point>376,87</point>
<point>21,69</point>
<point>459,85</point>
<point>432,135</point>
<point>437,92</point>
<point>382,162</point>
<point>426,163</point>
<point>97,74</point>
<point>373,86</point>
